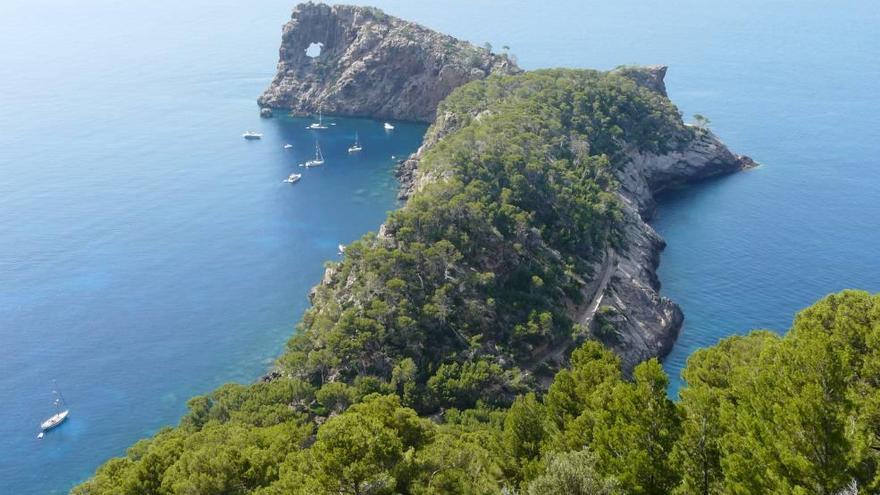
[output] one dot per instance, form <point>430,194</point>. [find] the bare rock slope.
<point>371,64</point>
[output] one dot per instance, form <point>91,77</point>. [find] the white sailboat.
<point>57,418</point>
<point>356,146</point>
<point>319,157</point>
<point>319,124</point>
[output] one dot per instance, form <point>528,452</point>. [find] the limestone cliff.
<point>371,64</point>
<point>647,324</point>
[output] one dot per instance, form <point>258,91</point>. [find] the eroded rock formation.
<point>371,64</point>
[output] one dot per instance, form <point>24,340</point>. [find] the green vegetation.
<point>476,271</point>
<point>409,374</point>
<point>761,414</point>
<point>701,121</point>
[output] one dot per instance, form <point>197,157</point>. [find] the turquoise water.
<point>148,253</point>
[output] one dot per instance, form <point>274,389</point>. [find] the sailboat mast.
<point>57,391</point>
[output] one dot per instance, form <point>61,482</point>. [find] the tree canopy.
<point>408,375</point>
<point>760,414</point>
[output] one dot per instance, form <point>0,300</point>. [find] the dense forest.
<point>475,273</point>
<point>416,370</point>
<point>798,414</point>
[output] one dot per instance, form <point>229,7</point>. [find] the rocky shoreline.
<point>647,323</point>
<point>378,66</point>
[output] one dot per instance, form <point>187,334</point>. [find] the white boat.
<point>356,146</point>
<point>55,420</point>
<point>319,124</point>
<point>319,157</point>
<point>288,146</point>
<point>293,178</point>
<point>388,127</point>
<point>60,416</point>
<point>252,135</point>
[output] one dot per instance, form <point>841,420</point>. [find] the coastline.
<point>646,324</point>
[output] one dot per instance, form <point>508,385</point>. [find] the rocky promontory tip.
<point>359,61</point>
<point>649,76</point>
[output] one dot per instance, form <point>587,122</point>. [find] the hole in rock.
<point>314,50</point>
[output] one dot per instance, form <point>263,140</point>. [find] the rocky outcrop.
<point>650,76</point>
<point>646,324</point>
<point>371,65</point>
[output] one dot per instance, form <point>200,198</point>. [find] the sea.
<point>148,253</point>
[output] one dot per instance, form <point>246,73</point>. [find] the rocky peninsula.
<point>467,347</point>
<point>375,65</point>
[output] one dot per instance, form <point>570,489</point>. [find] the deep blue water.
<point>148,253</point>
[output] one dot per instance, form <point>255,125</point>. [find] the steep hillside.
<point>371,65</point>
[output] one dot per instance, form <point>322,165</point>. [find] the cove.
<point>148,253</point>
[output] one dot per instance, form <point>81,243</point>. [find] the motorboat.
<point>293,178</point>
<point>388,127</point>
<point>288,146</point>
<point>252,135</point>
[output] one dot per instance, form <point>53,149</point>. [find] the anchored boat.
<point>356,146</point>
<point>319,124</point>
<point>319,157</point>
<point>57,418</point>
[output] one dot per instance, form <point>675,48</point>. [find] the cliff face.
<point>646,323</point>
<point>371,64</point>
